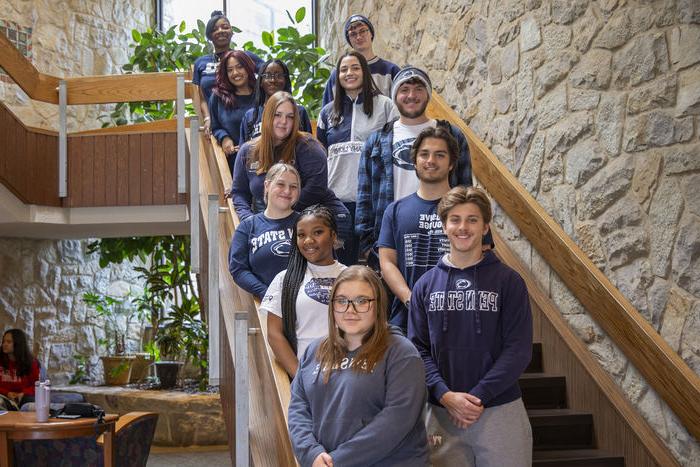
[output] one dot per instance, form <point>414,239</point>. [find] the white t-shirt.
<point>312,302</point>
<point>405,180</point>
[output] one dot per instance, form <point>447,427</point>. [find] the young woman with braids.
<point>232,97</point>
<point>273,77</point>
<point>19,370</point>
<point>358,395</point>
<point>297,300</point>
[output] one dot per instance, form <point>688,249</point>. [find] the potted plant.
<point>118,314</point>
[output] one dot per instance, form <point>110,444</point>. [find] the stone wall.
<point>595,106</point>
<point>41,288</point>
<point>72,38</point>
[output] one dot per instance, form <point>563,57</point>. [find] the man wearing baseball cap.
<point>386,171</point>
<point>359,33</point>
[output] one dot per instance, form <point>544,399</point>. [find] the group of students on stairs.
<point>431,318</point>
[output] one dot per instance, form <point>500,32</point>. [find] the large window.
<point>250,16</point>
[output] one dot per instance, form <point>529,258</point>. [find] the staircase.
<point>561,436</point>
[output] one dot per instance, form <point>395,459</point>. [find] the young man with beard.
<point>386,171</point>
<point>411,240</point>
<point>470,320</point>
<point>359,33</point>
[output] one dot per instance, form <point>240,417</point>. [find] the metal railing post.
<point>181,176</point>
<point>241,389</point>
<point>62,139</point>
<point>194,195</point>
<point>213,288</point>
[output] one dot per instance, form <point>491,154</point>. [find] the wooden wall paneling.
<point>13,172</point>
<point>170,161</point>
<point>146,173</point>
<point>122,154</point>
<point>158,187</point>
<point>5,124</point>
<point>49,162</point>
<point>87,177</point>
<point>74,173</point>
<point>99,170</point>
<point>111,154</point>
<point>32,168</point>
<point>23,175</point>
<point>134,170</point>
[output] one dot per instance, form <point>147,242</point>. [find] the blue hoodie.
<point>473,329</point>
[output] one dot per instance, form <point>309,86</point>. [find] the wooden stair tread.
<point>577,457</point>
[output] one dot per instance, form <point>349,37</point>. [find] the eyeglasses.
<point>360,304</point>
<point>358,33</point>
<point>273,76</point>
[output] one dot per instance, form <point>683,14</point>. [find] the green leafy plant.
<point>118,314</point>
<point>153,350</point>
<point>306,61</point>
<point>80,375</point>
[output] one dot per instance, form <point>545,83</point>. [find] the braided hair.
<point>296,269</point>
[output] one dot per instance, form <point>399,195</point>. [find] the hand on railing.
<point>207,127</point>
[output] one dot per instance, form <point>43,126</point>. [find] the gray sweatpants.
<point>501,437</point>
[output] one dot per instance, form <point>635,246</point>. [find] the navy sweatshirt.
<point>204,74</point>
<point>259,250</point>
<point>310,160</point>
<point>250,129</point>
<point>473,329</point>
<point>226,121</point>
<point>361,419</point>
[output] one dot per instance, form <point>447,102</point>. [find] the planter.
<point>117,369</point>
<point>139,370</point>
<point>167,373</point>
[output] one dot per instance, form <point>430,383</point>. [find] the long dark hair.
<point>23,356</point>
<point>260,96</point>
<point>369,89</point>
<point>296,269</point>
<point>224,89</point>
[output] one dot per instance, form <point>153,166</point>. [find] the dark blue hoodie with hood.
<point>473,329</point>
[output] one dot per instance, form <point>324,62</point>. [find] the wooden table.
<point>23,425</point>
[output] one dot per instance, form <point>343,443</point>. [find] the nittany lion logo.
<point>319,289</point>
<point>281,248</point>
<point>211,68</point>
<point>401,153</point>
<point>462,284</point>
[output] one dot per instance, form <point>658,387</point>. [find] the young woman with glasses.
<point>358,396</point>
<point>273,77</point>
<point>297,300</point>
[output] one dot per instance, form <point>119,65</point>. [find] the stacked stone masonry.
<point>595,106</point>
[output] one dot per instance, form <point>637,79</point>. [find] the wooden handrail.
<point>663,369</point>
<point>102,89</point>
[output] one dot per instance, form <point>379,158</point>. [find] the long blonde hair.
<point>262,154</point>
<point>374,344</point>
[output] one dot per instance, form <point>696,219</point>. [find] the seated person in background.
<point>19,370</point>
<point>412,240</point>
<point>219,32</point>
<point>273,77</point>
<point>359,33</point>
<point>281,141</point>
<point>357,110</point>
<point>359,395</point>
<point>296,302</point>
<point>230,100</point>
<point>261,243</point>
<point>386,171</point>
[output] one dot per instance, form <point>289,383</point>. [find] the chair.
<point>132,444</point>
<point>132,439</point>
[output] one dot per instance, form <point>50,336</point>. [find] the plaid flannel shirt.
<point>376,179</point>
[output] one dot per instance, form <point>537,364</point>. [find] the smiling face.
<point>283,122</point>
<point>315,240</point>
<point>273,79</point>
<point>221,36</point>
<point>412,99</point>
<point>355,325</point>
<point>8,346</point>
<point>282,191</point>
<point>360,36</point>
<point>465,228</point>
<point>237,74</point>
<point>433,160</point>
<point>350,74</point>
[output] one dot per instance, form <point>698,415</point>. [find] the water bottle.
<point>42,405</point>
<point>37,396</point>
<point>47,397</point>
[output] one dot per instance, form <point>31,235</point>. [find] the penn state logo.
<point>281,248</point>
<point>211,68</point>
<point>319,289</point>
<point>401,154</point>
<point>462,284</point>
